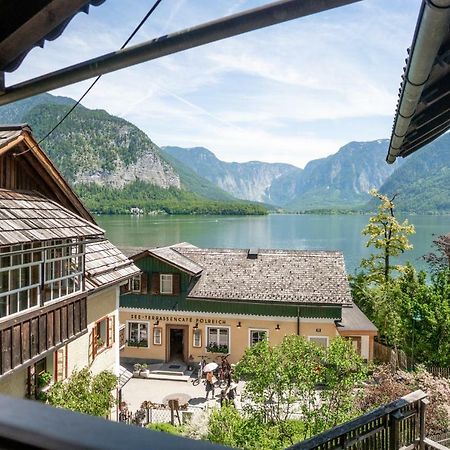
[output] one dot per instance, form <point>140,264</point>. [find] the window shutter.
<point>92,345</point>
<point>111,323</point>
<point>144,283</point>
<point>176,284</point>
<point>155,289</point>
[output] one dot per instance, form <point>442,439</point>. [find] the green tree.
<point>84,392</point>
<point>282,380</point>
<point>388,236</point>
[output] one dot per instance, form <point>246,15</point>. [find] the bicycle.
<point>201,364</point>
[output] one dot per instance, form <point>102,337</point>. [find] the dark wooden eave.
<point>29,23</point>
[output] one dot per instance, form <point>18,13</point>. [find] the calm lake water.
<point>274,231</point>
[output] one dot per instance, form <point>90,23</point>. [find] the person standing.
<point>209,385</point>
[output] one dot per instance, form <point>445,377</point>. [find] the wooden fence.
<point>397,425</point>
<point>443,372</point>
<point>388,355</point>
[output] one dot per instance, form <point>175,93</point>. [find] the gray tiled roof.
<point>28,216</point>
<point>176,258</point>
<point>353,319</point>
<point>166,254</point>
<point>105,264</point>
<point>292,276</point>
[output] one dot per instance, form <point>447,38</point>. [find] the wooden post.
<point>423,413</point>
<point>394,438</point>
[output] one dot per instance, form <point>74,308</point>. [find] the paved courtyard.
<point>138,390</point>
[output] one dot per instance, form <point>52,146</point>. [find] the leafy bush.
<point>166,428</point>
<point>85,392</point>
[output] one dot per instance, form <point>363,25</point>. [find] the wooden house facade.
<point>191,302</point>
<point>59,276</point>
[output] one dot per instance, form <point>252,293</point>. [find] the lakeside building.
<point>59,276</point>
<point>190,302</point>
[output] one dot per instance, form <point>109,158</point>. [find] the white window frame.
<point>154,335</point>
<point>250,330</point>
<point>161,276</point>
<point>218,328</point>
<point>132,281</point>
<point>194,332</point>
<point>320,337</point>
<point>128,333</point>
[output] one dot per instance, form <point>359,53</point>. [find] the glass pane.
<point>34,296</point>
<point>14,279</point>
<point>12,303</point>
<point>4,281</point>
<point>3,301</point>
<point>23,300</point>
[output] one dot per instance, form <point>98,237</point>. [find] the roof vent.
<point>252,253</point>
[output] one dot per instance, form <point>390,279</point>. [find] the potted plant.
<point>137,370</point>
<point>144,372</point>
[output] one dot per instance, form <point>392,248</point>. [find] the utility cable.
<point>149,13</point>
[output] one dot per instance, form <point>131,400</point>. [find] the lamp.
<point>277,327</point>
<point>195,326</point>
<point>238,325</point>
<point>156,323</point>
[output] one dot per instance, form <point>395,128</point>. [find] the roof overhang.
<point>27,24</point>
<point>423,109</point>
<point>225,27</point>
<point>25,147</point>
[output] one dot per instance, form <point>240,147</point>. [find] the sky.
<point>289,93</point>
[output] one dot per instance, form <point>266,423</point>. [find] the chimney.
<point>252,253</point>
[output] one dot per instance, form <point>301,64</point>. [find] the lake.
<point>320,232</point>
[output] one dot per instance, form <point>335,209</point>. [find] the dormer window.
<point>166,283</point>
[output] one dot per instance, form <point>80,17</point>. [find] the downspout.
<point>298,320</point>
<point>430,32</point>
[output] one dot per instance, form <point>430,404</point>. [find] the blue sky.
<point>289,93</point>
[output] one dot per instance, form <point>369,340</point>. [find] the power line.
<point>149,13</point>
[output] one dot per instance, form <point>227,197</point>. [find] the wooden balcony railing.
<point>399,425</point>
<point>31,425</point>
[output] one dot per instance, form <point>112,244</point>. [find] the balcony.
<point>30,425</point>
<point>399,425</point>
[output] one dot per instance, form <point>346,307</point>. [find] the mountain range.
<point>114,165</point>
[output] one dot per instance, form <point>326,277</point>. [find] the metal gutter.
<point>431,29</point>
<point>243,22</point>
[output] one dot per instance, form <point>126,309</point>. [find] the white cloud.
<point>265,95</point>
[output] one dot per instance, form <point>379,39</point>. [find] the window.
<point>137,334</point>
<point>40,272</point>
<point>157,336</point>
<point>166,283</point>
<point>20,271</point>
<point>319,340</point>
<point>257,336</point>
<point>218,340</point>
<point>136,284</point>
<point>61,364</point>
<point>101,333</point>
<point>63,272</point>
<point>102,336</point>
<point>197,338</point>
